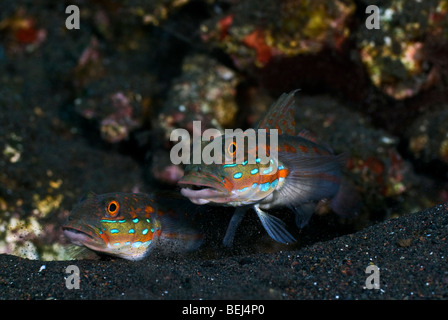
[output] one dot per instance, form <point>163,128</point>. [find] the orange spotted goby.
<point>304,173</point>
<point>127,225</point>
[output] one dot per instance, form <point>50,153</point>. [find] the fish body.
<point>303,173</point>
<point>126,225</point>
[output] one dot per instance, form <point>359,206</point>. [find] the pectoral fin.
<point>233,225</point>
<point>310,178</point>
<point>303,213</point>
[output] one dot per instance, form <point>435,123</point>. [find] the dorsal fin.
<point>281,115</point>
<point>307,135</point>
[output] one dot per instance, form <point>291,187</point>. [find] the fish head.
<point>240,177</point>
<point>231,181</point>
<point>206,183</point>
<point>119,224</point>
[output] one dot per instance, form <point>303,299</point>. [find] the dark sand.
<point>411,253</point>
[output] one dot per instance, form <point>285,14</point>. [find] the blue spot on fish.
<point>265,186</point>
<point>131,231</point>
<point>268,170</point>
<point>114,231</point>
<point>237,175</point>
<point>108,221</point>
<point>229,165</point>
<point>145,231</point>
<point>254,171</point>
<point>137,244</point>
<point>135,220</point>
<point>255,185</point>
<point>274,183</point>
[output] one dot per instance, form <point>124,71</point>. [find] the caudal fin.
<point>347,201</point>
<point>178,235</point>
<point>181,242</point>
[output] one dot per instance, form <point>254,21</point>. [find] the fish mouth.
<point>78,236</point>
<point>203,188</point>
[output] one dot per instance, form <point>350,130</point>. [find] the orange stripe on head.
<point>149,236</point>
<point>228,184</point>
<point>104,236</point>
<point>149,209</point>
<point>133,213</point>
<point>266,178</point>
<point>283,173</point>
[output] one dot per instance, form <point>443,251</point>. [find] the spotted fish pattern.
<point>304,173</point>
<point>126,225</point>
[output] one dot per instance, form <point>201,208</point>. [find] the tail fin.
<point>178,234</point>
<point>184,241</point>
<point>347,201</point>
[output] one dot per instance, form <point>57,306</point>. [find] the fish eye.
<point>231,149</point>
<point>112,208</point>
